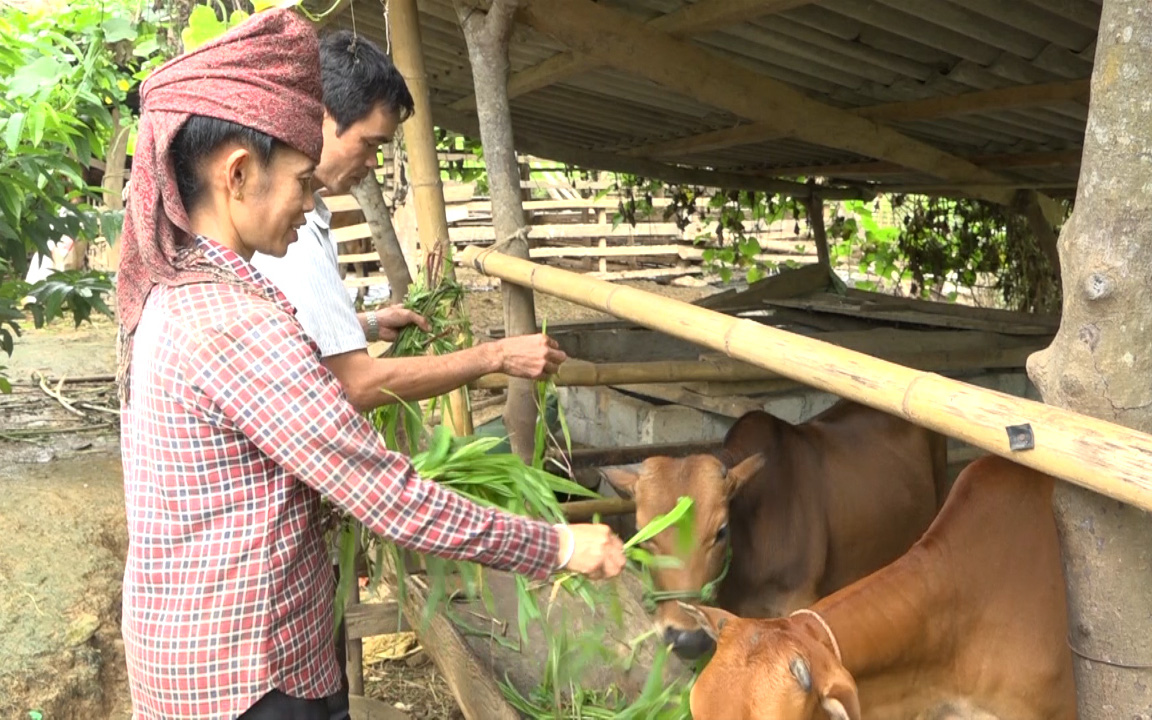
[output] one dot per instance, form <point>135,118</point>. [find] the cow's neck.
<point>991,556</point>
<point>772,511</point>
<point>874,620</point>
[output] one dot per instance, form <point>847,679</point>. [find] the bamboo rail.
<point>739,375</point>
<point>1104,457</point>
<point>582,458</point>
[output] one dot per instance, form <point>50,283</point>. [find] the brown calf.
<point>792,512</point>
<point>970,623</point>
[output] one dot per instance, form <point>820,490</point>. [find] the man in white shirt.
<point>365,100</point>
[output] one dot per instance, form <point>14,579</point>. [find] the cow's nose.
<point>688,644</point>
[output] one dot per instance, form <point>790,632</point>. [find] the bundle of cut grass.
<point>471,467</point>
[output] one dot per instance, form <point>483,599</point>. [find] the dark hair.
<point>200,137</point>
<point>357,76</point>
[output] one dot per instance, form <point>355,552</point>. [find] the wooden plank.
<point>925,313</point>
<point>1048,320</point>
<point>981,101</point>
<point>477,694</point>
<point>786,284</point>
<point>484,206</point>
<point>369,619</point>
<point>485,233</point>
<point>369,281</point>
<point>362,708</point>
<point>650,274</point>
<point>1059,158</point>
<point>913,317</point>
<point>341,203</point>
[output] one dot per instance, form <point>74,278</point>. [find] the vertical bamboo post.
<point>427,190</point>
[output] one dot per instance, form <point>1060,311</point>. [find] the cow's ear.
<point>711,619</point>
<point>745,471</point>
<point>838,696</point>
<point>623,478</point>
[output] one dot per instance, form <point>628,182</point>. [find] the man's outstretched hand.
<point>534,357</point>
<point>393,319</point>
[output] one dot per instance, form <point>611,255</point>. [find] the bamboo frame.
<point>938,351</point>
<point>1101,456</point>
<point>427,190</point>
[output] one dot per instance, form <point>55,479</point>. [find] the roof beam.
<point>1020,96</point>
<point>694,18</point>
<point>597,160</point>
<point>1057,158</point>
<point>624,43</point>
<point>982,101</point>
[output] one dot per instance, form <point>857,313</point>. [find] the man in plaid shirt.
<point>232,428</point>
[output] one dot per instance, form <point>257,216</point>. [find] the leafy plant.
<point>729,246</point>
<point>936,243</point>
<point>62,73</point>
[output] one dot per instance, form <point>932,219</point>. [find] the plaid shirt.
<point>232,432</point>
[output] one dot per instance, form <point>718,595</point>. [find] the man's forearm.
<point>371,382</point>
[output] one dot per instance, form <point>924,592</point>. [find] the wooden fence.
<point>573,228</point>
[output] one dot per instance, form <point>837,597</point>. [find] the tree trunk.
<point>487,38</point>
<point>370,197</point>
<point>815,209</point>
<point>1099,364</point>
<point>114,163</point>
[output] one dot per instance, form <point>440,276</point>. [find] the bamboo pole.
<point>987,354</point>
<point>427,190</point>
<point>582,458</point>
<point>1104,457</point>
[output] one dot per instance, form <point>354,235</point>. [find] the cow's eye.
<point>722,533</point>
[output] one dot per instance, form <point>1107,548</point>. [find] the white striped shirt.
<point>309,276</point>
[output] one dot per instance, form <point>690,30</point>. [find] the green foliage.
<point>204,25</point>
<point>728,245</point>
<point>462,169</point>
<point>61,74</point>
<point>937,241</point>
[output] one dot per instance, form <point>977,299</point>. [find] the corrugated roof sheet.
<point>844,53</point>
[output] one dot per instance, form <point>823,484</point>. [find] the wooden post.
<point>1110,459</point>
<point>487,36</point>
<point>815,209</point>
<point>432,221</point>
<point>1099,364</point>
<point>370,197</point>
<point>1045,235</point>
<point>477,693</point>
<point>355,649</point>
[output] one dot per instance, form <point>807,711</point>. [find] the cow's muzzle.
<point>688,644</point>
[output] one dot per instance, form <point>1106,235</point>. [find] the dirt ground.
<point>63,539</point>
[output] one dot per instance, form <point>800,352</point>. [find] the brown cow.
<point>794,512</point>
<point>970,623</point>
